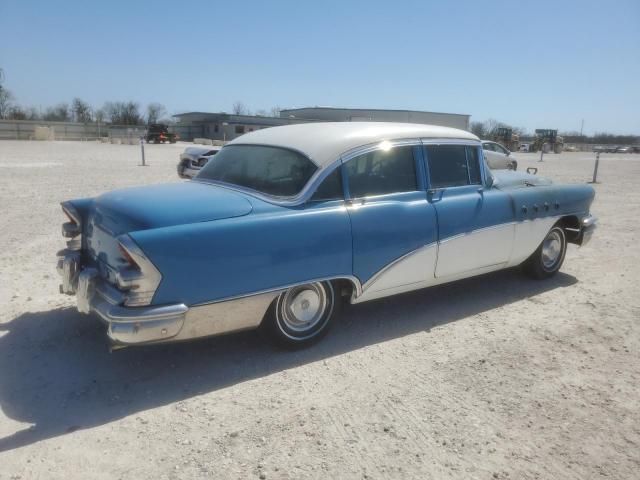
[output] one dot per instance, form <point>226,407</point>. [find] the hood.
<point>197,151</point>
<point>166,205</point>
<point>514,179</point>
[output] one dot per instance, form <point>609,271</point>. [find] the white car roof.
<point>325,142</point>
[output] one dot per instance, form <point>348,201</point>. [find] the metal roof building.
<point>331,114</point>
<point>226,126</point>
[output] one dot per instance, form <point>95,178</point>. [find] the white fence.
<point>26,130</point>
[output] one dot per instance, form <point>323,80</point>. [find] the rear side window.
<point>381,172</point>
<point>275,171</point>
<point>453,165</point>
<point>330,188</point>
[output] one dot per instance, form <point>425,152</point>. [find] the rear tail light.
<point>127,256</point>
<point>72,228</point>
<point>138,277</point>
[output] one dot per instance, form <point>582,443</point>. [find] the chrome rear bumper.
<point>156,323</point>
<point>126,325</point>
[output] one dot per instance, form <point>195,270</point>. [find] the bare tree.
<point>99,115</point>
<point>131,114</point>
<point>32,113</point>
<point>123,113</point>
<point>59,113</point>
<point>275,111</point>
<point>477,128</point>
<point>6,101</point>
<point>155,111</point>
<point>239,108</point>
<point>81,111</point>
<point>16,112</point>
<point>6,98</point>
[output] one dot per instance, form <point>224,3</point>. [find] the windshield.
<point>271,170</point>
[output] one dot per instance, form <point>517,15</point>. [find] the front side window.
<point>381,172</point>
<point>500,149</point>
<point>274,171</point>
<point>453,165</point>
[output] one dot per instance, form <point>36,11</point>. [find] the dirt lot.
<point>493,377</point>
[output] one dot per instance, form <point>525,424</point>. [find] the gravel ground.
<point>492,377</point>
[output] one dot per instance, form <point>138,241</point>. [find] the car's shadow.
<point>56,371</point>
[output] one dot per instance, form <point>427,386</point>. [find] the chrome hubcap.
<point>303,307</point>
<point>551,250</point>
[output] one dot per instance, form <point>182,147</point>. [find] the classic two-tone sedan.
<point>288,220</point>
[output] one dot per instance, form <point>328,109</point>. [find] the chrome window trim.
<point>353,279</point>
<point>372,147</point>
<point>468,143</point>
<point>295,200</point>
<point>322,172</point>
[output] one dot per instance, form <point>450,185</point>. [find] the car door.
<point>393,225</point>
<point>475,221</point>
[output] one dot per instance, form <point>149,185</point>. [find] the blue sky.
<point>532,64</point>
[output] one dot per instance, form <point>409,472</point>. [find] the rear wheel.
<point>301,315</point>
<point>549,256</point>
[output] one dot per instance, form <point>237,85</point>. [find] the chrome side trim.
<point>478,230</point>
<point>353,279</point>
<point>380,273</point>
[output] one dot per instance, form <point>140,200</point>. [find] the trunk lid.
<point>154,206</point>
<point>166,205</point>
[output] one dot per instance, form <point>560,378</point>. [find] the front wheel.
<point>548,257</point>
<point>301,315</point>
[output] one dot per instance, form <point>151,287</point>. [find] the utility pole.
<point>581,127</point>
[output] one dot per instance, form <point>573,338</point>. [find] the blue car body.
<point>217,254</point>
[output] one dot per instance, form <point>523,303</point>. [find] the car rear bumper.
<point>126,325</point>
<point>156,323</point>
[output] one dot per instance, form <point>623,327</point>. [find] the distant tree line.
<point>487,129</point>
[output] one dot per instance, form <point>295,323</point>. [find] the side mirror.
<point>489,181</point>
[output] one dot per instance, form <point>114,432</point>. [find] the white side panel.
<point>369,295</point>
<point>473,250</point>
<point>417,266</point>
<point>528,236</point>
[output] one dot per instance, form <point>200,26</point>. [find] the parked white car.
<point>194,158</point>
<point>498,157</point>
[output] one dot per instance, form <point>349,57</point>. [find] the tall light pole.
<point>224,132</point>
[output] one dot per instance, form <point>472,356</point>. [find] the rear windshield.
<point>271,170</point>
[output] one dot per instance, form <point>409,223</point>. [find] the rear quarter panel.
<point>270,248</point>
